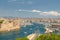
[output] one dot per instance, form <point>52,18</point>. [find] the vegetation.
<point>10,21</point>
<point>48,37</point>
<point>1,21</point>
<point>23,38</point>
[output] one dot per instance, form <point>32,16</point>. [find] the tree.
<point>10,21</point>
<point>48,37</point>
<point>23,38</point>
<point>1,21</point>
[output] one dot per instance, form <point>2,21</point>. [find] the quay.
<point>52,27</point>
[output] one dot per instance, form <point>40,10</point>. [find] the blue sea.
<point>23,31</point>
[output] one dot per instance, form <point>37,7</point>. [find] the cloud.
<point>37,11</point>
<point>11,0</point>
<point>24,10</point>
<point>53,13</point>
<point>21,2</point>
<point>45,13</point>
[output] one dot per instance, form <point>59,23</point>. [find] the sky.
<point>30,8</point>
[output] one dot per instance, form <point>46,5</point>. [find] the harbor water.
<point>23,31</point>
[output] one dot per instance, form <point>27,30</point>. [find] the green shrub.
<point>48,37</point>
<point>1,21</point>
<point>23,38</point>
<point>10,21</point>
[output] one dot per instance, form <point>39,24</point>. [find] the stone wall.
<point>9,24</point>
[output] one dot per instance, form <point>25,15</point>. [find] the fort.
<point>8,24</point>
